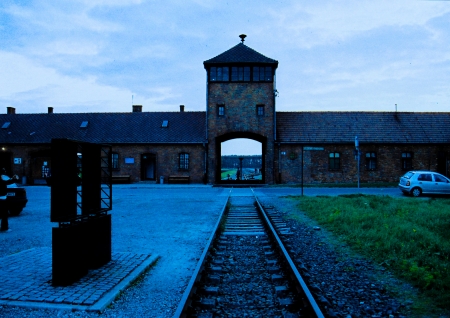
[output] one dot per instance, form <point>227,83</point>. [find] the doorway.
<point>148,166</point>
<point>442,167</point>
<point>5,162</point>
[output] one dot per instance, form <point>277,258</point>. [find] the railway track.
<point>245,270</point>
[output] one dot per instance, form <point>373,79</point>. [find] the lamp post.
<point>357,154</point>
<point>240,167</point>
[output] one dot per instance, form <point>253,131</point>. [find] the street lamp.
<point>357,154</point>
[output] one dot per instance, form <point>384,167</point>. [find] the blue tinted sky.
<point>93,55</point>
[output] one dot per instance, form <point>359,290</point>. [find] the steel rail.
<point>315,308</point>
<point>190,289</point>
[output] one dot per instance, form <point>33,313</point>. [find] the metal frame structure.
<point>81,196</point>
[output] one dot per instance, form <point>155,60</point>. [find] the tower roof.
<point>240,54</point>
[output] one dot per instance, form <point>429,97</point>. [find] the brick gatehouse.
<point>313,147</point>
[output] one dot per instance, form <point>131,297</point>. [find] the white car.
<point>416,183</point>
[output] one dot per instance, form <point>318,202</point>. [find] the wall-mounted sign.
<point>312,148</point>
<point>17,161</point>
<point>129,160</point>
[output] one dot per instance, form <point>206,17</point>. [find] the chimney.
<point>137,108</point>
<point>182,108</point>
<point>10,110</point>
<point>50,110</point>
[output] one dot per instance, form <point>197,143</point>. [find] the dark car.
<point>16,198</point>
<point>427,182</point>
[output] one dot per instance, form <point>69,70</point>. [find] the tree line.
<point>232,161</point>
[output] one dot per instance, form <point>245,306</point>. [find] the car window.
<point>408,175</point>
<point>424,177</point>
<point>439,178</point>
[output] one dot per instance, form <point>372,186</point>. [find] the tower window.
<point>260,110</point>
<point>262,74</point>
<point>219,74</point>
<point>221,110</point>
<point>240,74</point>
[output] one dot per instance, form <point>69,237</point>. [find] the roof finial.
<point>242,36</point>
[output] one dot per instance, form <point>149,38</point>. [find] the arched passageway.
<point>240,159</point>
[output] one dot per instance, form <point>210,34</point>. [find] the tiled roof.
<point>240,53</point>
<point>189,127</point>
<point>370,127</point>
<point>136,127</point>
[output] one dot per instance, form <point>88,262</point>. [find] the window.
<point>6,125</point>
<point>334,161</point>
<point>407,160</point>
<point>183,163</point>
<point>424,177</point>
<point>84,124</point>
<point>165,123</point>
<point>262,74</point>
<point>221,110</point>
<point>260,110</point>
<point>240,74</point>
<point>115,161</point>
<point>371,161</point>
<point>218,74</point>
<point>439,178</point>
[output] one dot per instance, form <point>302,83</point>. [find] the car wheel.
<point>15,211</point>
<point>416,192</point>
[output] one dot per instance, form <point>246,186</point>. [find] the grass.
<point>224,173</point>
<point>410,236</point>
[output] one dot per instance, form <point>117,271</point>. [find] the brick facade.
<point>34,157</point>
<point>388,163</point>
<point>166,161</point>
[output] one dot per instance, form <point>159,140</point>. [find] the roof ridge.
<point>241,53</point>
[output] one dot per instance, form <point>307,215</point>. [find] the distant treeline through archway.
<point>232,161</point>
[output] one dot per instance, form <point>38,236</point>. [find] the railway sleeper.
<point>248,281</point>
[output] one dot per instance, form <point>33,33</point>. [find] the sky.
<point>105,55</point>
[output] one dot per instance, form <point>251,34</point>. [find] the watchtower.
<point>240,104</point>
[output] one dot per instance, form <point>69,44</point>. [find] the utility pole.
<point>358,154</point>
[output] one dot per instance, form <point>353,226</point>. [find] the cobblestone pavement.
<point>26,280</point>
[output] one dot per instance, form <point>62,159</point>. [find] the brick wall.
<point>167,160</point>
<point>389,163</point>
<point>34,156</point>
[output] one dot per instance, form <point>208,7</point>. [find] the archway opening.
<point>241,161</point>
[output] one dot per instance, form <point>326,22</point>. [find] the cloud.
<point>26,84</point>
<point>319,23</point>
<point>109,3</point>
<point>58,17</point>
